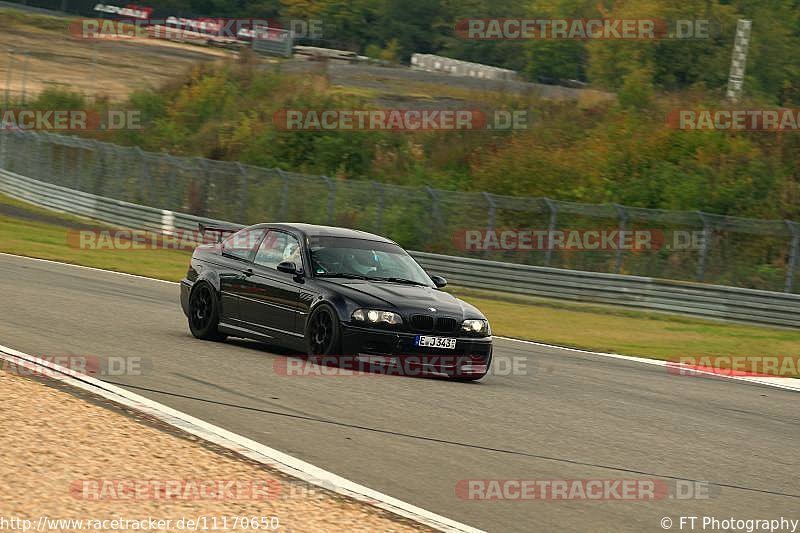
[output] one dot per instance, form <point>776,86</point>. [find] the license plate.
<point>448,343</point>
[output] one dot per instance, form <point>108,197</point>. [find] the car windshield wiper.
<point>401,280</point>
<point>347,275</point>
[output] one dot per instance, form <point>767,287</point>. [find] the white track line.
<point>87,268</point>
<point>237,443</point>
<point>785,383</point>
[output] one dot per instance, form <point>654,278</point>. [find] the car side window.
<point>278,247</point>
<point>242,244</point>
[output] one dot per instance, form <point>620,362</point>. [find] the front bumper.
<point>395,351</point>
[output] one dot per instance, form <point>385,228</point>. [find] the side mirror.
<point>288,267</point>
<point>439,281</point>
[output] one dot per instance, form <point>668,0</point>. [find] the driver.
<point>292,253</point>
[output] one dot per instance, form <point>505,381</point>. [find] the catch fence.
<point>683,245</point>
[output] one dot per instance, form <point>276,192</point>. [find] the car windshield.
<point>364,259</point>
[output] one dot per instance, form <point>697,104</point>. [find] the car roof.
<point>314,230</point>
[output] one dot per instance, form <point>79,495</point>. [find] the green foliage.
<point>58,99</point>
<point>394,29</point>
<point>623,151</point>
<point>637,90</point>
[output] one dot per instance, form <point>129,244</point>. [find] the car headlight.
<point>376,316</point>
<point>475,327</point>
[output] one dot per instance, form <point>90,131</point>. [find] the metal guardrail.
<point>723,250</point>
<point>698,299</point>
<point>109,210</point>
<point>456,67</point>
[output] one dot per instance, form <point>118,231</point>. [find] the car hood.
<point>403,298</point>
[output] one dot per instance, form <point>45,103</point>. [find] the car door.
<point>237,252</point>
<point>270,304</point>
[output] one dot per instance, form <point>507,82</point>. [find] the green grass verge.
<point>31,231</point>
<point>612,329</point>
<point>34,232</point>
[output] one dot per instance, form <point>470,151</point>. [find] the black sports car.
<point>334,293</point>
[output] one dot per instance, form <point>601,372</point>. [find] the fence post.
<point>79,168</point>
<point>794,250</point>
<point>284,211</point>
<point>4,132</point>
<point>119,176</point>
<point>24,77</point>
<point>97,171</point>
<point>176,195</point>
<point>32,154</point>
<point>66,154</point>
<point>144,178</point>
<point>46,167</point>
<point>551,228</point>
<point>490,216</point>
<point>434,205</point>
<point>203,211</point>
<point>8,79</point>
<point>243,193</point>
<point>62,163</point>
<point>35,165</point>
<point>49,165</point>
<point>331,197</point>
<point>701,261</point>
<point>623,225</point>
<point>379,210</point>
<point>436,218</point>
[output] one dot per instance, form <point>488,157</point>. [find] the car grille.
<point>422,322</point>
<point>446,325</point>
<point>426,323</point>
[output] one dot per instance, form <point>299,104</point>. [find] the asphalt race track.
<point>567,416</point>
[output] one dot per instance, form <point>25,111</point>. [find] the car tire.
<point>204,313</point>
<point>323,332</point>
